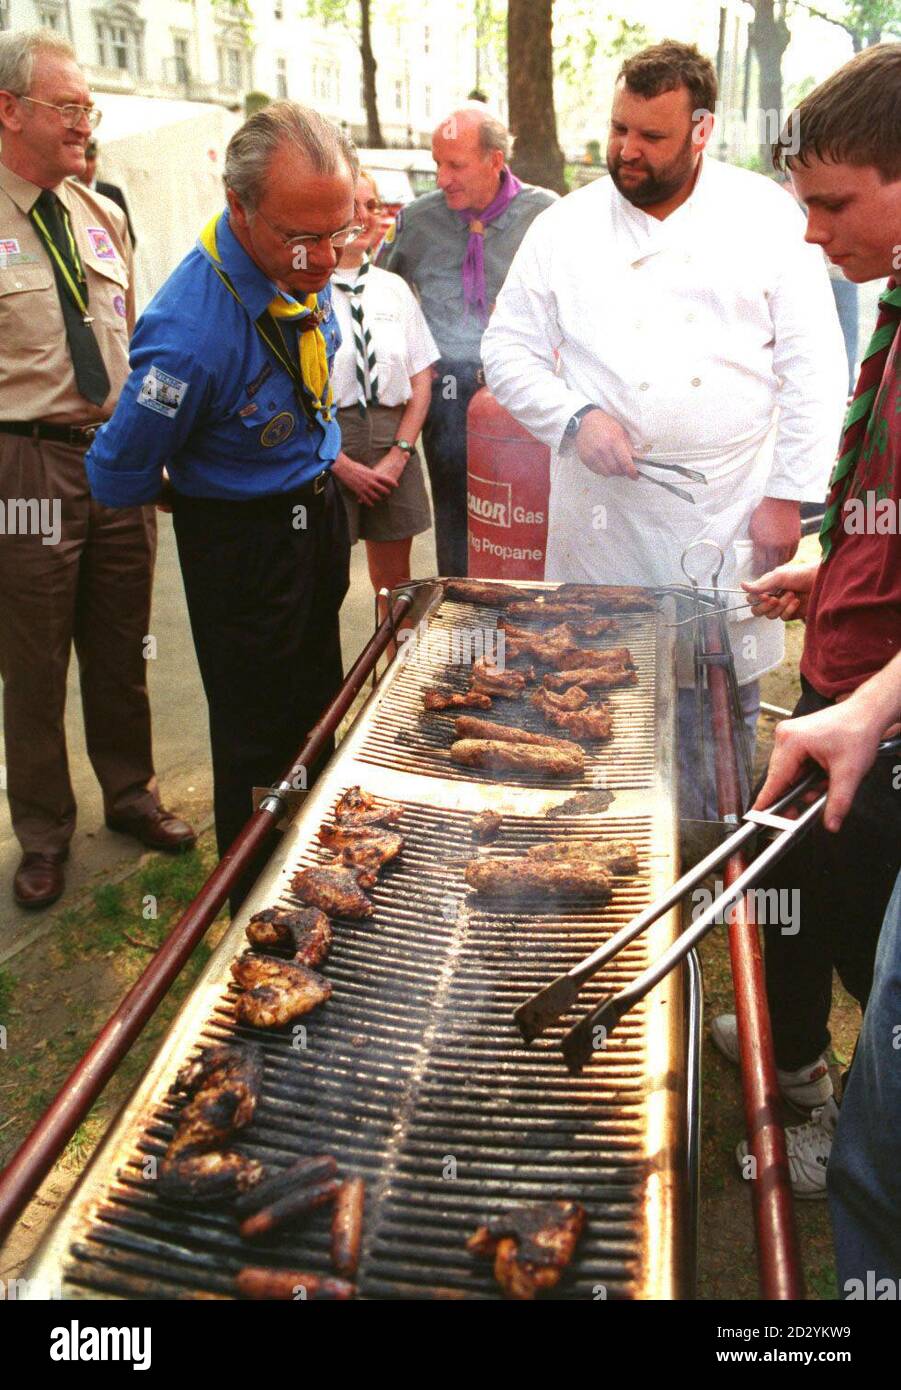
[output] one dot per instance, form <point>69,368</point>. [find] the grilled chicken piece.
<point>293,1284</point>
<point>361,808</point>
<point>531,1245</point>
<point>276,991</point>
<point>485,827</point>
<point>582,720</point>
<point>334,891</point>
<point>307,932</point>
<point>478,591</point>
<point>536,609</point>
<point>496,755</point>
<point>527,878</point>
<point>468,726</point>
<point>616,856</point>
<point>224,1085</point>
<point>365,848</point>
<point>589,659</point>
<point>456,699</point>
<point>604,678</point>
<point>207,1177</point>
<point>491,680</point>
<point>626,598</point>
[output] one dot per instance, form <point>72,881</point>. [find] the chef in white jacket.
<point>673,312</point>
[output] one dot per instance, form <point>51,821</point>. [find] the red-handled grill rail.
<point>778,1256</point>
<point>31,1163</point>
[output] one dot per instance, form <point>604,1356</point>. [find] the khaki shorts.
<point>367,439</point>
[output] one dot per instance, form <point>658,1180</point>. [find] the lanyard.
<point>73,288</point>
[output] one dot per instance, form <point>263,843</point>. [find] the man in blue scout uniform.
<point>229,392</point>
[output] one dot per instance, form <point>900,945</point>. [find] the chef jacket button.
<point>696,381</point>
<point>645,386</point>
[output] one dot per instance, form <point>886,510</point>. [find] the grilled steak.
<point>361,808</point>
<point>567,632</point>
<point>612,598</point>
<point>617,856</point>
<point>307,932</point>
<point>589,721</point>
<point>531,1245</point>
<point>209,1177</point>
<point>538,609</point>
<point>456,699</point>
<point>334,891</point>
<point>526,878</point>
<point>478,591</point>
<point>490,680</point>
<point>485,827</point>
<point>224,1085</point>
<point>365,848</point>
<point>275,991</point>
<point>347,1226</point>
<point>604,678</point>
<point>468,726</point>
<point>587,659</point>
<point>496,755</point>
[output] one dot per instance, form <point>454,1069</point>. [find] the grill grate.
<point>412,739</point>
<point>414,1077</point>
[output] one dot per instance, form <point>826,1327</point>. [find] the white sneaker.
<point>808,1149</point>
<point>805,1088</point>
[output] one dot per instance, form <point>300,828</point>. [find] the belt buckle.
<point>319,483</point>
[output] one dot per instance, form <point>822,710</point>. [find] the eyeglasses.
<point>70,114</point>
<point>309,239</point>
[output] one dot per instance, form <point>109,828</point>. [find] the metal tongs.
<point>692,474</point>
<point>537,1014</point>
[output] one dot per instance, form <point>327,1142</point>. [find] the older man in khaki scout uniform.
<point>69,568</point>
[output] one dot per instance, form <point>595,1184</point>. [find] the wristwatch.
<point>573,423</point>
<point>405,445</point>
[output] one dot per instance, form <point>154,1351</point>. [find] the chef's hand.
<point>604,447</point>
<point>367,486</point>
<point>795,583</point>
<point>775,529</point>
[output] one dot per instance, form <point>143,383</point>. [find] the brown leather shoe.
<point>39,879</point>
<point>157,829</point>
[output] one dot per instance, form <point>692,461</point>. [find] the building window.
<point>49,17</point>
<point>426,39</point>
<point>281,77</point>
<point>120,47</point>
<point>326,82</point>
<point>182,68</point>
<point>279,10</point>
<point>427,100</point>
<point>398,95</point>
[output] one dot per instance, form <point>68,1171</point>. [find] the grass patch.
<point>7,986</point>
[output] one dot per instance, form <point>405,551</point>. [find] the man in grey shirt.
<point>454,247</point>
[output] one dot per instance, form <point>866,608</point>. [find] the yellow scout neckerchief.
<point>312,372</point>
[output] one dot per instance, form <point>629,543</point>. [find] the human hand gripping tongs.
<point>591,1032</point>
<point>692,474</point>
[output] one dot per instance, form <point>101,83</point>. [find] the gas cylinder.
<point>508,485</point>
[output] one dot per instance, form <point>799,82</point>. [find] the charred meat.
<point>497,755</point>
<point>223,1085</point>
<point>307,933</point>
<point>478,591</point>
<point>485,827</point>
<point>294,1205</point>
<point>456,699</point>
<point>347,1226</point>
<point>491,680</point>
<point>587,659</point>
<point>616,856</point>
<point>604,678</point>
<point>612,598</point>
<point>334,891</point>
<point>583,721</point>
<point>209,1177</point>
<point>361,808</point>
<point>468,726</point>
<point>531,1246</point>
<point>275,991</point>
<point>535,610</point>
<point>365,848</point>
<point>535,878</point>
<point>304,1173</point>
<point>290,1284</point>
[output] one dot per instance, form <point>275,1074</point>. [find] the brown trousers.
<point>89,584</point>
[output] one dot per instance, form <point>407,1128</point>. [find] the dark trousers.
<point>263,596</point>
<point>845,881</point>
<point>444,442</point>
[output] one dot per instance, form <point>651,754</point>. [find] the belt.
<point>80,435</point>
<point>268,503</point>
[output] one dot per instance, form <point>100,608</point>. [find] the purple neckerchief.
<point>474,292</point>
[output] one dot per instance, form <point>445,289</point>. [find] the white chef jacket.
<point>398,330</point>
<point>711,336</point>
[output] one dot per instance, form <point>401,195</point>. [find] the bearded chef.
<point>673,312</point>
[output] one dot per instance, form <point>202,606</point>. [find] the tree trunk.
<point>769,36</point>
<point>373,128</point>
<point>537,157</point>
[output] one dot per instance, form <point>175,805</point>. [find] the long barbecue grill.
<point>413,1074</point>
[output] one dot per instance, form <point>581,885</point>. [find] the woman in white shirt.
<point>382,380</point>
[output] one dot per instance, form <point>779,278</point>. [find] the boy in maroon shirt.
<point>842,147</point>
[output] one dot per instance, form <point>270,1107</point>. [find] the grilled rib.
<point>208,1177</point>
<point>616,856</point>
<point>626,598</point>
<point>307,932</point>
<point>532,1245</point>
<point>456,699</point>
<point>224,1085</point>
<point>485,827</point>
<point>604,678</point>
<point>365,848</point>
<point>334,891</point>
<point>468,726</point>
<point>524,877</point>
<point>477,591</point>
<point>497,755</point>
<point>589,659</point>
<point>362,808</point>
<point>275,991</point>
<point>536,609</point>
<point>566,632</point>
<point>491,680</point>
<point>582,721</point>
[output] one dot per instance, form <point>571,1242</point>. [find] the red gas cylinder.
<point>507,489</point>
